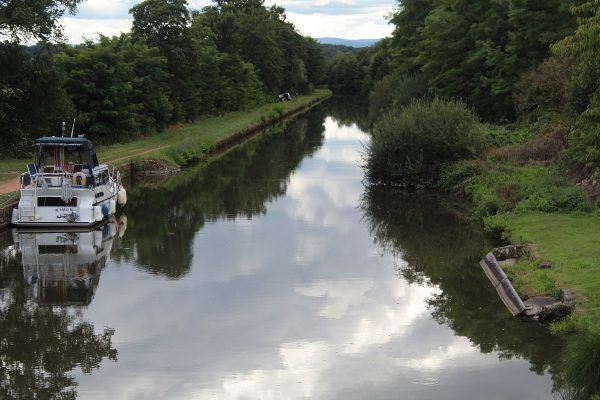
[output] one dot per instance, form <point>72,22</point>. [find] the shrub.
<point>545,147</point>
<point>454,178</point>
<point>409,144</point>
<point>393,91</point>
<point>546,88</point>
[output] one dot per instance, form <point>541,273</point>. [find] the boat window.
<point>56,202</point>
<point>61,156</point>
<point>102,178</point>
<point>47,156</point>
<point>57,249</point>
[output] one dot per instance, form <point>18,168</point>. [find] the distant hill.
<point>348,42</point>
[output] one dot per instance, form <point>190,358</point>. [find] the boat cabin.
<point>60,154</point>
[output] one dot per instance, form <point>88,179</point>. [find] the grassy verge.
<point>572,243</point>
<point>522,188</point>
<point>186,143</point>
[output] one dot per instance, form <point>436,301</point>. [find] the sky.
<point>348,19</point>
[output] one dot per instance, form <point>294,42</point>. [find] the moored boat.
<point>67,186</point>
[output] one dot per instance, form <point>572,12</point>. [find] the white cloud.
<point>355,26</point>
<point>349,19</point>
<point>76,29</point>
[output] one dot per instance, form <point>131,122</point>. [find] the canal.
<point>272,273</point>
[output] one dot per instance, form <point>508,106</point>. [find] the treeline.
<point>175,65</point>
<point>506,60</point>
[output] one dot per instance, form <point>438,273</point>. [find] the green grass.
<point>185,143</point>
<point>572,243</point>
<point>528,279</point>
<point>496,187</point>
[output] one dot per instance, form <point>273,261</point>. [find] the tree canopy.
<point>33,19</point>
<point>177,64</point>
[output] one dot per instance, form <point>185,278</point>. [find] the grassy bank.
<point>525,193</point>
<point>185,143</point>
<point>572,243</point>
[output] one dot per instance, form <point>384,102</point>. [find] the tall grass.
<point>582,365</point>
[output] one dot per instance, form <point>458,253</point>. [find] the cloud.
<point>349,19</point>
<point>105,9</point>
<point>77,29</point>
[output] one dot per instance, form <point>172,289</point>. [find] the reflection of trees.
<point>40,346</point>
<point>439,244</point>
<point>349,110</point>
<point>165,218</point>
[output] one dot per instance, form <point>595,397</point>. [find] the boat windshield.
<point>61,158</point>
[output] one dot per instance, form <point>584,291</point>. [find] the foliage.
<point>544,89</point>
<point>410,144</point>
<point>473,50</point>
<point>496,187</point>
<point>331,50</point>
<point>394,92</point>
<point>22,20</point>
<point>33,101</point>
<point>581,365</point>
<point>345,74</point>
<point>284,60</point>
<point>119,87</point>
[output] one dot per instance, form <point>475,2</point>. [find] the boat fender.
<point>113,229</point>
<point>15,216</point>
<point>105,210</point>
<point>79,179</point>
<point>97,213</point>
<point>112,207</point>
<point>122,197</point>
<point>122,225</point>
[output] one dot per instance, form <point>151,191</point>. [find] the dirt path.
<point>9,186</point>
<point>13,184</point>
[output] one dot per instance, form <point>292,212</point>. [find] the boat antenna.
<point>73,127</point>
<point>63,129</point>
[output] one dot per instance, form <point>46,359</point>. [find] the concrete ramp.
<point>502,284</point>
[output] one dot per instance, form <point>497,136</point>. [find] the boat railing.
<point>54,180</point>
<point>115,174</point>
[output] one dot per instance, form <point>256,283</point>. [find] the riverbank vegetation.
<point>177,65</point>
<point>498,103</point>
<point>187,143</point>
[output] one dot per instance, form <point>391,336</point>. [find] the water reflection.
<point>165,218</point>
<point>45,279</point>
<point>435,242</point>
<point>257,277</point>
<point>283,295</point>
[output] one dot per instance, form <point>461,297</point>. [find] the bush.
<point>393,91</point>
<point>410,144</point>
<point>454,178</point>
<point>546,88</point>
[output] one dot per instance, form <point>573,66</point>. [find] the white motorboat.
<point>67,187</point>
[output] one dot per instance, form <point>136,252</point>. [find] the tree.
<point>33,19</point>
<point>165,24</point>
<point>408,20</point>
<point>33,101</point>
<point>345,73</point>
<point>583,46</point>
<point>119,87</point>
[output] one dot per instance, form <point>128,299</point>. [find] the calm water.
<point>270,274</point>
